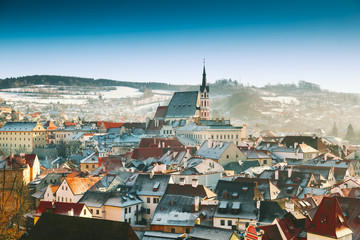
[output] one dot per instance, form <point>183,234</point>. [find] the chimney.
<point>209,143</point>
<point>172,202</point>
<point>217,120</point>
<point>195,183</point>
<point>197,221</point>
<point>71,212</point>
<point>151,175</point>
<point>295,144</point>
<point>197,203</point>
<point>311,191</point>
<point>277,175</point>
<point>163,144</point>
<point>289,172</point>
<point>258,204</point>
<point>222,120</point>
<point>185,163</point>
<point>225,195</point>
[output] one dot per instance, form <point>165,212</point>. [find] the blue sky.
<point>253,41</point>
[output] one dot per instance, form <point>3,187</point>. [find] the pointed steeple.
<point>204,76</point>
<point>204,82</point>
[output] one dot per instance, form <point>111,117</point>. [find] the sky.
<point>255,42</point>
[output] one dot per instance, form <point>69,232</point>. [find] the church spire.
<point>204,82</point>
<point>204,77</point>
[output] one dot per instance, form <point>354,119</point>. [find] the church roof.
<point>183,105</point>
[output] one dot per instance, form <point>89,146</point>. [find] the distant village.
<point>178,174</point>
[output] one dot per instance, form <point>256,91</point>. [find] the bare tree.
<point>14,204</point>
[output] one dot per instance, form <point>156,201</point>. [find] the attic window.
<point>223,205</point>
<point>244,189</point>
<point>156,187</point>
<point>235,195</point>
<point>236,206</point>
<point>289,189</point>
<point>341,220</point>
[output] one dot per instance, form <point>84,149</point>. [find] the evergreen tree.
<point>334,131</point>
<point>350,133</point>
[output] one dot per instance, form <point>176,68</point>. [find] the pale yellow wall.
<point>18,141</point>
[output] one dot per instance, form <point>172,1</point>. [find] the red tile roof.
<point>160,112</point>
<point>144,153</point>
<point>271,232</point>
<point>80,185</point>
<point>111,162</point>
<point>161,143</point>
<point>329,219</point>
<point>66,123</point>
<point>351,210</point>
<point>61,208</point>
<point>20,161</point>
<point>108,125</point>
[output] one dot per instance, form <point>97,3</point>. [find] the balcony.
<point>140,211</point>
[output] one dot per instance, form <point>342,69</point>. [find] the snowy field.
<point>66,95</point>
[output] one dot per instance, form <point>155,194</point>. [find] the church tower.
<point>204,97</point>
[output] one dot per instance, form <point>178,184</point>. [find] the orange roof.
<point>54,188</point>
<point>80,185</point>
<point>66,123</point>
<point>89,134</point>
<point>108,125</point>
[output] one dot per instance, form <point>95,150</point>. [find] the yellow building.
<point>22,137</point>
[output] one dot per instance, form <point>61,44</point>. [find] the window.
<point>172,230</point>
<point>148,211</point>
<point>62,188</point>
<point>97,211</point>
<point>227,156</point>
<point>84,211</point>
<point>187,230</point>
<point>155,200</point>
<point>91,211</point>
<point>229,222</point>
<point>66,199</point>
<point>87,166</point>
<point>148,200</point>
<point>129,210</point>
<point>222,222</point>
<point>62,199</point>
<point>125,210</point>
<point>66,188</point>
<point>265,161</point>
<point>130,220</point>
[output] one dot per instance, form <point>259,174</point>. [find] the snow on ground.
<point>163,92</point>
<point>46,94</point>
<point>121,92</point>
<point>282,99</point>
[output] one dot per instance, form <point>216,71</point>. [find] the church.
<point>190,105</point>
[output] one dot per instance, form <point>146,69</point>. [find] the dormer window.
<point>156,187</point>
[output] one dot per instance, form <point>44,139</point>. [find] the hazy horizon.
<point>252,42</point>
